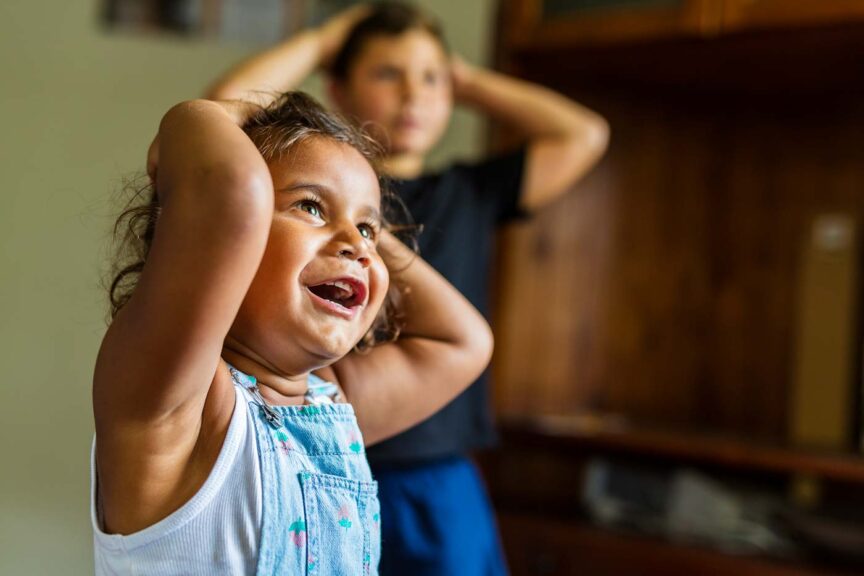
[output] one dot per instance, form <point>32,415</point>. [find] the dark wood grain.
<point>664,287</point>
<point>540,547</point>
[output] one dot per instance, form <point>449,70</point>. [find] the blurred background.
<point>678,370</point>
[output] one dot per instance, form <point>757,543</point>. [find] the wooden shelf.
<point>540,546</point>
<point>807,62</point>
<point>591,433</point>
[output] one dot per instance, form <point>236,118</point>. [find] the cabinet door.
<point>547,546</point>
<point>542,24</point>
<point>754,14</point>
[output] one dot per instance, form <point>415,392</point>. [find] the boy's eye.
<point>311,207</point>
<point>387,73</point>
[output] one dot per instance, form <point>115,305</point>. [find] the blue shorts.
<point>436,520</point>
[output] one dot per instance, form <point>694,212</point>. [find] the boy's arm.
<point>284,67</point>
<point>565,139</point>
<point>444,346</point>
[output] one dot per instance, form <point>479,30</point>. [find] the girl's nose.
<point>353,254</point>
<point>352,245</point>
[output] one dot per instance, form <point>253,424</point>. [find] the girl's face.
<point>321,281</point>
<point>401,85</point>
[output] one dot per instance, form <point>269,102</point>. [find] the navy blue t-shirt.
<point>460,209</point>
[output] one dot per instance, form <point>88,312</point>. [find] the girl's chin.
<point>333,350</point>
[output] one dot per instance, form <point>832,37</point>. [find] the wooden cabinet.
<point>663,290</point>
<point>549,23</point>
<point>536,484</point>
<point>540,547</point>
<point>545,24</point>
<point>762,14</point>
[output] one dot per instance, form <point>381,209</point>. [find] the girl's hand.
<point>333,33</point>
<point>238,110</point>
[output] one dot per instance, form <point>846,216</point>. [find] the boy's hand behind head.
<point>460,75</point>
<point>333,33</point>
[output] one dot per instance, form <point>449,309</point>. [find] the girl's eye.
<point>367,231</point>
<point>311,207</point>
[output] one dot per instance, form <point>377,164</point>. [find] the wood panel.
<point>664,287</point>
<point>543,547</point>
<point>527,26</point>
<point>758,14</point>
<point>571,439</point>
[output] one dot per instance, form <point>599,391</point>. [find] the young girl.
<point>263,258</point>
<point>390,69</point>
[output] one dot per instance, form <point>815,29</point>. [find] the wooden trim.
<point>751,14</point>
<point>540,545</point>
<point>592,433</point>
<point>522,18</point>
<point>695,18</point>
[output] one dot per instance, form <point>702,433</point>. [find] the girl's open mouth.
<point>341,296</point>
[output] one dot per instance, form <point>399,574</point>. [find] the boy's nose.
<point>410,88</point>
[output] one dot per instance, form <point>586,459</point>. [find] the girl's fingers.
<point>239,110</point>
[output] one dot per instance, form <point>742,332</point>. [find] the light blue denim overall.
<point>320,512</point>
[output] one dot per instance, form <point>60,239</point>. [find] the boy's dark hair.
<point>384,19</point>
<point>291,119</point>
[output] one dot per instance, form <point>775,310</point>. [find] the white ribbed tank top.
<point>215,532</point>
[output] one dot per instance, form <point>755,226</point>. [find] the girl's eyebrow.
<point>326,193</point>
<point>304,186</point>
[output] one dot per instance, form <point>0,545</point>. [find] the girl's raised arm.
<point>444,346</point>
<point>161,352</point>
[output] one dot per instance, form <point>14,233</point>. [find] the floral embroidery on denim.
<point>282,438</point>
<point>354,443</point>
<point>298,532</point>
<point>343,517</point>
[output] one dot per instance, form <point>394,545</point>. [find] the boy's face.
<point>321,281</point>
<point>401,86</point>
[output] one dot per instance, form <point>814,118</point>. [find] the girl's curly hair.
<point>292,118</point>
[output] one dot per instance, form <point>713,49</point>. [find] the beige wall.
<point>78,107</point>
